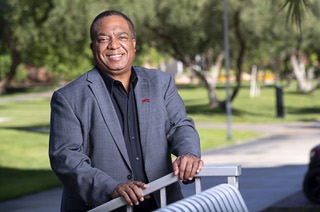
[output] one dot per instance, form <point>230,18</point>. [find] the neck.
<point>126,83</point>
<point>124,79</point>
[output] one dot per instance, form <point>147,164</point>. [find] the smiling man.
<point>113,129</point>
<point>113,46</point>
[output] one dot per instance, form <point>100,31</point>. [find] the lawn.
<point>262,109</point>
<point>24,164</point>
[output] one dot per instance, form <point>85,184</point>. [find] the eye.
<point>123,37</point>
<point>103,39</point>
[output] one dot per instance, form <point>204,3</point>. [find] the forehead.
<point>112,23</point>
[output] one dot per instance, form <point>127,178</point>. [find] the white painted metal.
<point>230,171</point>
<point>163,197</point>
<point>223,197</point>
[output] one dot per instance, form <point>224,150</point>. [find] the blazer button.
<point>129,177</point>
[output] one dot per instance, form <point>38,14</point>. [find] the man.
<point>114,128</point>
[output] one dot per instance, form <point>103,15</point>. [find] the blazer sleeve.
<point>182,136</point>
<point>68,159</point>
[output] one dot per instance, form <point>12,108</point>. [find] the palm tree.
<point>296,10</point>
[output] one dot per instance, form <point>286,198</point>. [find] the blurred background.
<point>274,71</point>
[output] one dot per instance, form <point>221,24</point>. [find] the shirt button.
<point>133,137</point>
<point>129,177</point>
<point>137,158</point>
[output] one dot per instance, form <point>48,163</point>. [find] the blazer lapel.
<point>143,101</point>
<point>107,110</point>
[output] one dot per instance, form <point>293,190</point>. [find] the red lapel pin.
<point>145,100</point>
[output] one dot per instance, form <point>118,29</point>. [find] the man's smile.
<point>115,56</point>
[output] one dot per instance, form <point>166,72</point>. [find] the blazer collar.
<point>99,90</point>
<point>143,101</point>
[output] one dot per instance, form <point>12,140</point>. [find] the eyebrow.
<point>102,34</point>
<point>119,33</point>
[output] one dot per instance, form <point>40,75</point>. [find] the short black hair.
<point>110,13</point>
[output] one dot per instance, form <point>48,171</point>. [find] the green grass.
<point>24,149</point>
<point>213,138</point>
<point>31,113</point>
<point>19,182</point>
<point>24,163</point>
<point>262,109</point>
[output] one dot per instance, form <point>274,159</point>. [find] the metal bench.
<point>223,197</point>
<point>232,172</point>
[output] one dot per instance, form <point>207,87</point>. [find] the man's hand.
<point>130,191</point>
<point>186,166</point>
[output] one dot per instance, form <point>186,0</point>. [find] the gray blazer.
<point>87,149</point>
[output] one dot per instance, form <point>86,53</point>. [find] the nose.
<point>113,44</point>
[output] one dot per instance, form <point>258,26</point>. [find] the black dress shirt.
<point>126,108</point>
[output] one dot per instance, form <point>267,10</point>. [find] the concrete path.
<point>47,201</point>
<point>273,168</point>
<point>24,97</point>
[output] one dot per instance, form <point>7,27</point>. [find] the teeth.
<point>114,56</point>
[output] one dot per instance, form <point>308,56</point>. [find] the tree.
<point>65,46</point>
<point>304,14</point>
<point>19,20</point>
<point>53,34</point>
<point>191,31</point>
<point>185,31</point>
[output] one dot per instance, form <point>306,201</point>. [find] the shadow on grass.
<point>206,110</point>
<point>195,86</point>
<point>19,182</point>
<point>305,110</point>
<point>311,113</point>
<point>2,107</point>
<point>39,87</point>
<point>188,86</point>
<point>40,128</point>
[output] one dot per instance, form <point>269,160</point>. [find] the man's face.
<point>113,47</point>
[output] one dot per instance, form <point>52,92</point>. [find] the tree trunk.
<point>210,81</point>
<point>214,101</point>
<point>304,79</point>
<point>15,61</point>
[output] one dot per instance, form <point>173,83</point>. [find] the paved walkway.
<point>28,96</point>
<point>273,168</point>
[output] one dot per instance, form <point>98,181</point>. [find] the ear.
<point>134,42</point>
<point>92,48</point>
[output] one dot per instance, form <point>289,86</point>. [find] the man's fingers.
<point>201,164</point>
<point>130,191</point>
<point>137,190</point>
<point>175,167</point>
<point>187,166</point>
<point>182,168</point>
<point>127,197</point>
<point>134,193</point>
<point>194,167</point>
<point>141,184</point>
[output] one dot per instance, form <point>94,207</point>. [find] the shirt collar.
<point>109,81</point>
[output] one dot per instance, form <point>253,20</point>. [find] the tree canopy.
<point>55,34</point>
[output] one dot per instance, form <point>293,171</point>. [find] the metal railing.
<point>223,197</point>
<point>232,172</point>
